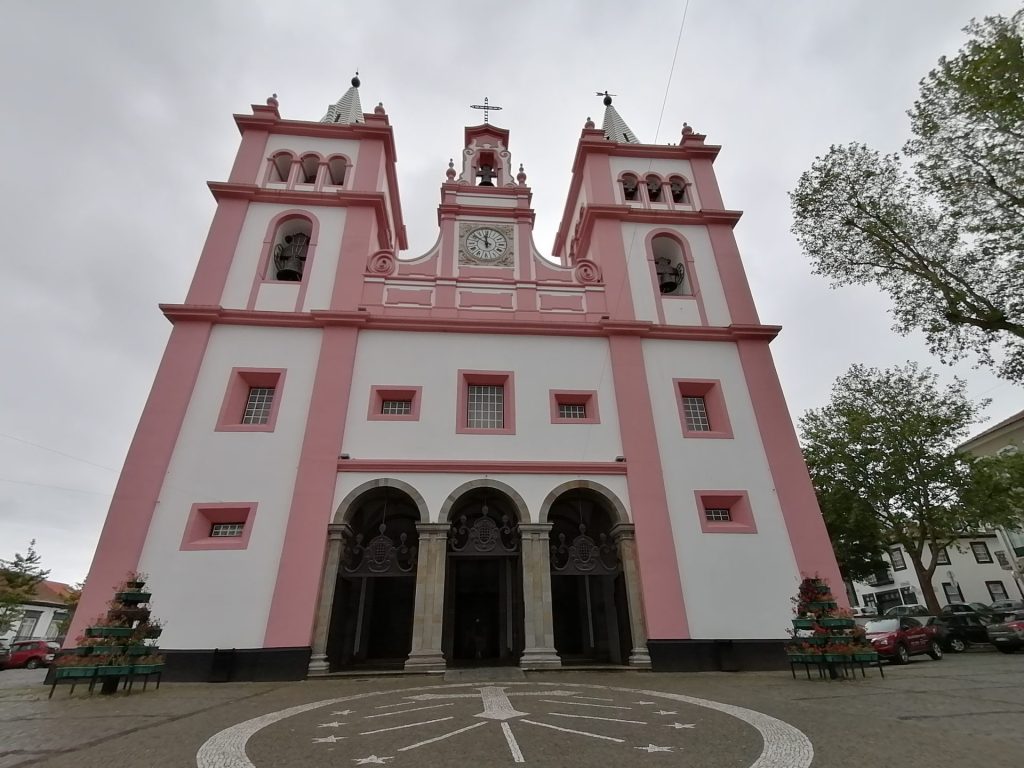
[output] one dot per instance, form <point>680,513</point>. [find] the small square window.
<point>981,553</point>
<point>702,411</point>
<point>898,562</point>
<point>227,529</point>
<point>486,403</point>
<point>725,512</point>
<point>394,403</point>
<point>218,526</point>
<point>574,406</point>
<point>252,400</point>
<point>942,557</point>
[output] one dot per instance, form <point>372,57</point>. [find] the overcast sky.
<point>117,113</point>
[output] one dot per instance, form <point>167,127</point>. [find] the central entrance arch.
<point>483,614</point>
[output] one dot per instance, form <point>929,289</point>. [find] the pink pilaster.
<point>212,271</point>
<point>145,466</point>
<point>293,606</point>
<point>664,607</point>
<point>251,157</point>
<point>738,298</point>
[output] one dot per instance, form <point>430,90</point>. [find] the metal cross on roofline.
<point>486,107</point>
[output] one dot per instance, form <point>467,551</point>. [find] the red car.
<point>31,654</point>
<point>899,638</point>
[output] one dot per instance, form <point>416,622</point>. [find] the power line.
<point>54,487</point>
<point>54,450</point>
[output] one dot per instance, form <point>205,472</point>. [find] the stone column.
<point>318,664</point>
<point>428,617</point>
<point>539,652</point>
<point>626,540</point>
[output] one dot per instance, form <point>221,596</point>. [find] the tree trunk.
<point>924,578</point>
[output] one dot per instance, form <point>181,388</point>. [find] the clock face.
<point>486,244</point>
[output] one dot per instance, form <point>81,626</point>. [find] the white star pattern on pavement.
<point>372,759</point>
<point>329,725</point>
<point>344,712</point>
<point>677,726</point>
<point>652,748</point>
<point>665,712</point>
<point>328,739</point>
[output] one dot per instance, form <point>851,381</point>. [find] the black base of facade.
<point>224,665</point>
<point>717,655</point>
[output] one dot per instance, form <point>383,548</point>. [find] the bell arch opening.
<point>371,620</point>
<point>590,612</point>
<point>483,604</point>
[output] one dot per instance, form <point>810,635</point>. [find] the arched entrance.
<point>483,605</point>
<point>372,614</point>
<point>590,610</point>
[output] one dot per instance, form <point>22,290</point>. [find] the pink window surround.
<point>665,198</point>
<point>379,393</point>
<point>237,394</point>
<point>263,268</point>
<point>738,504</point>
<point>585,397</point>
<point>202,517</point>
<point>714,402</point>
<point>273,168</point>
<point>689,266</point>
<point>504,379</point>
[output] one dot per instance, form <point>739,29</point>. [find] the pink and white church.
<point>352,458</point>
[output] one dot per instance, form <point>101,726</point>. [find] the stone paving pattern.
<point>966,710</point>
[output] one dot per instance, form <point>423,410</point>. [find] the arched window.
<point>630,186</point>
<point>677,186</point>
<point>310,165</point>
<point>654,188</point>
<point>336,168</point>
<point>291,246</point>
<point>281,166</point>
<point>670,266</point>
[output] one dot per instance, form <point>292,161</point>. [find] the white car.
<point>860,611</point>
<point>908,610</point>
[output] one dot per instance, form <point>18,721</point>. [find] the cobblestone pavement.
<point>966,710</point>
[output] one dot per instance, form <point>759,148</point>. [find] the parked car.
<point>980,610</point>
<point>961,630</point>
<point>1007,634</point>
<point>1004,606</point>
<point>915,609</point>
<point>5,654</point>
<point>32,653</point>
<point>897,638</point>
<point>864,610</point>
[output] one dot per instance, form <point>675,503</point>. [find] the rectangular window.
<point>942,557</point>
<point>718,515</point>
<point>1002,559</point>
<point>898,563</point>
<point>996,590</point>
<point>258,406</point>
<point>695,411</point>
<point>869,599</point>
<point>396,407</point>
<point>574,406</point>
<point>981,553</point>
<point>227,529</point>
<point>725,512</point>
<point>27,627</point>
<point>952,593</point>
<point>485,406</point>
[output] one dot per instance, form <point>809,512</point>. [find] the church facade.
<point>355,459</point>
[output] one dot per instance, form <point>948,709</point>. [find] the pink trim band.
<point>484,467</point>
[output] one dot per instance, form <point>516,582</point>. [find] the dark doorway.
<point>477,609</point>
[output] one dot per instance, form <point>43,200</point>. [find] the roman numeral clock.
<point>486,244</point>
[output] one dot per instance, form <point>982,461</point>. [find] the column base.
<point>425,661</point>
<point>318,664</point>
<point>639,658</point>
<point>540,658</point>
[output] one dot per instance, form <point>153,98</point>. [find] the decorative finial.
<point>379,109</point>
<point>355,80</point>
<point>450,173</point>
<point>589,124</point>
<point>607,97</point>
<point>687,130</point>
<point>272,101</point>
<point>521,176</point>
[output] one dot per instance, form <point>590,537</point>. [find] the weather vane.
<point>607,97</point>
<point>486,107</point>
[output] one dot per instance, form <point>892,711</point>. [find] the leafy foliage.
<point>945,236</point>
<point>883,456</point>
<point>18,580</point>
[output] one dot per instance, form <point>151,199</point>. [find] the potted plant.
<point>147,665</point>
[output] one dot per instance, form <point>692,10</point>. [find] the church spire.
<point>347,110</point>
<point>614,127</point>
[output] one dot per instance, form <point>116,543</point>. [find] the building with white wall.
<point>353,457</point>
<point>42,617</point>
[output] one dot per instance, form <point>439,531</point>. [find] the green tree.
<point>944,235</point>
<point>884,449</point>
<point>18,580</point>
<point>856,536</point>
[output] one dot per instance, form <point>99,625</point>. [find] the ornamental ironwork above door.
<point>585,557</point>
<point>380,557</point>
<point>485,536</point>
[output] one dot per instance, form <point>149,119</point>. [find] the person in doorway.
<point>479,634</point>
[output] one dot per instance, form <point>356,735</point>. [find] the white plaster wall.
<point>679,311</point>
<point>664,168</point>
<point>436,487</point>
<point>641,284</point>
<point>489,201</point>
<point>41,631</point>
<point>221,598</point>
<point>245,263</point>
<point>277,297</point>
<point>756,571</point>
<point>432,361</point>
